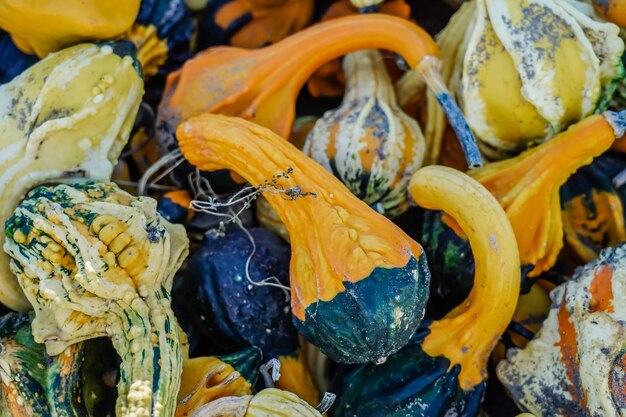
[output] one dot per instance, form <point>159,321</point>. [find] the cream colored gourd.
<point>368,142</point>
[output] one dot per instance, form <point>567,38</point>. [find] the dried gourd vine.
<point>201,187</point>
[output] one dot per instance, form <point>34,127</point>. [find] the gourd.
<point>174,206</point>
<point>369,143</point>
<point>206,379</point>
<point>535,211</point>
<point>67,117</point>
<point>32,383</point>
<point>269,402</point>
<point>442,371</point>
<point>229,294</point>
<point>252,23</point>
<point>40,27</point>
<point>262,85</point>
<point>95,261</point>
<point>592,207</point>
<point>12,60</point>
<point>612,10</point>
<point>516,91</point>
<point>161,33</point>
<point>358,283</point>
<point>575,364</point>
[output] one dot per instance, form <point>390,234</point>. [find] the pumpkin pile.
<point>298,208</point>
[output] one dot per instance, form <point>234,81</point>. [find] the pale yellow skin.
<point>43,26</point>
<point>66,118</point>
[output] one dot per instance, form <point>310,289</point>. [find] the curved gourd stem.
<point>527,186</point>
<point>356,240</point>
<point>262,85</point>
<point>468,334</point>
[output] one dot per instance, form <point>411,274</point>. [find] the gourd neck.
<point>366,76</point>
<point>467,335</point>
<point>300,55</point>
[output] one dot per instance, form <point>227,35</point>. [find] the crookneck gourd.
<point>43,26</point>
<point>262,84</point>
<point>592,206</point>
<point>207,379</point>
<point>523,70</point>
<point>527,186</point>
<point>369,143</point>
<point>95,261</point>
<point>231,294</point>
<point>442,371</point>
<point>32,383</point>
<point>576,364</point>
<point>65,118</point>
<point>252,23</point>
<point>358,283</point>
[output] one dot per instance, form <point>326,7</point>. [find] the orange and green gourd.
<point>612,10</point>
<point>369,143</point>
<point>575,365</point>
<point>95,261</point>
<point>359,284</point>
<point>252,23</point>
<point>262,85</point>
<point>40,27</point>
<point>528,185</point>
<point>33,384</point>
<point>443,370</point>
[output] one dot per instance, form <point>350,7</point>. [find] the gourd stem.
<point>468,334</point>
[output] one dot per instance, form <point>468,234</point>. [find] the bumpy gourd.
<point>262,84</point>
<point>525,70</point>
<point>592,207</point>
<point>67,117</point>
<point>369,143</point>
<point>162,33</point>
<point>206,379</point>
<point>43,26</point>
<point>269,402</point>
<point>252,23</point>
<point>358,283</point>
<point>576,363</point>
<point>31,383</point>
<point>442,371</point>
<point>527,186</point>
<point>95,261</point>
<point>230,312</point>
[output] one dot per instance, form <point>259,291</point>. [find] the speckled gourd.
<point>369,143</point>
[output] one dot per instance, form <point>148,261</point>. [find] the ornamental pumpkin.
<point>269,402</point>
<point>442,371</point>
<point>162,34</point>
<point>576,363</point>
<point>525,70</point>
<point>252,23</point>
<point>12,60</point>
<point>592,207</point>
<point>40,27</point>
<point>95,261</point>
<point>32,383</point>
<point>369,143</point>
<point>262,85</point>
<point>527,186</point>
<point>69,118</point>
<point>358,283</point>
<point>206,379</point>
<point>231,298</point>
